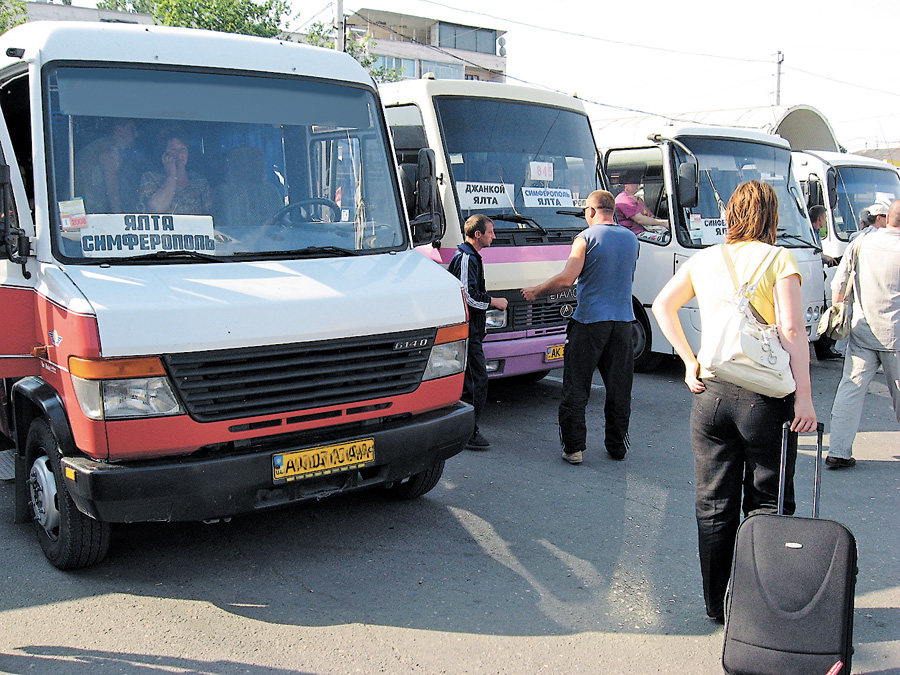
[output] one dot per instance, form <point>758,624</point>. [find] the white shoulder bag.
<point>749,352</point>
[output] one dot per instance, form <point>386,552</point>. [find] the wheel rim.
<point>44,502</point>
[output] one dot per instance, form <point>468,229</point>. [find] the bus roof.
<point>635,132</point>
<point>46,41</point>
<point>407,91</point>
<point>841,159</point>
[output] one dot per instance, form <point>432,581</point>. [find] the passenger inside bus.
<point>175,189</point>
<point>632,212</point>
<point>107,170</point>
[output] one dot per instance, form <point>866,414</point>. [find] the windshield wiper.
<point>517,218</point>
<point>719,202</point>
<point>163,255</point>
<point>577,214</point>
<point>787,235</point>
<point>298,252</point>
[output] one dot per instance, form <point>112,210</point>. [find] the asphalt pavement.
<point>517,562</point>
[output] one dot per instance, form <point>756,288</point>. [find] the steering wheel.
<point>303,207</point>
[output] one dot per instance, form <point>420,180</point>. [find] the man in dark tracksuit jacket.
<point>468,267</point>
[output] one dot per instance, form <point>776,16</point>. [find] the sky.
<point>626,58</point>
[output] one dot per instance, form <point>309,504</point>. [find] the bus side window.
<point>14,104</point>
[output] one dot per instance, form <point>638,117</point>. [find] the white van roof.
<point>46,41</point>
<point>635,132</point>
<point>409,90</point>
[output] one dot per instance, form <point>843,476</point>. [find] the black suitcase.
<point>790,603</point>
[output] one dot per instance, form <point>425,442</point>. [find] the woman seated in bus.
<point>632,212</point>
<point>175,190</point>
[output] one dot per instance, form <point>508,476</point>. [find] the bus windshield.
<point>724,164</point>
<point>857,188</point>
<point>172,165</point>
<point>518,162</point>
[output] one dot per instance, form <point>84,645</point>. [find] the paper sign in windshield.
<point>485,195</point>
<point>71,213</point>
<point>712,230</point>
<point>553,197</point>
<point>123,235</point>
<point>540,171</point>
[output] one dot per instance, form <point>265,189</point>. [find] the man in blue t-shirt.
<point>599,335</point>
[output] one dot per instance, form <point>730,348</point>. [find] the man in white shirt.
<point>874,332</point>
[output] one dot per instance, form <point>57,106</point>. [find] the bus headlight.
<point>446,359</point>
<point>448,355</point>
<point>103,394</point>
<point>495,318</point>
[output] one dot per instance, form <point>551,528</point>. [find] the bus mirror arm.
<point>15,244</point>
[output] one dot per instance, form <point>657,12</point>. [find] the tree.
<point>12,13</point>
<point>358,46</point>
<point>262,19</point>
<point>129,6</point>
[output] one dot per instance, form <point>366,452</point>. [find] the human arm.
<point>564,279</point>
<point>792,331</point>
<point>674,295</point>
<point>636,211</point>
<point>466,268</point>
<point>649,220</point>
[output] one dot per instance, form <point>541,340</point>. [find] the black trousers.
<point>475,382</point>
<point>606,346</point>
<point>736,438</point>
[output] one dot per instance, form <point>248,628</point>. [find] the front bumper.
<point>216,486</point>
<point>523,355</point>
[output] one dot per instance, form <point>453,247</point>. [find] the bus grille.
<point>234,383</point>
<point>529,315</point>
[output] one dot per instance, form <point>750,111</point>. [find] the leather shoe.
<point>839,462</point>
<point>478,442</point>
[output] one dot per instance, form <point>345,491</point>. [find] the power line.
<point>849,84</point>
<point>506,75</point>
<point>597,39</point>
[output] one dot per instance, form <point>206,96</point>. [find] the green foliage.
<point>357,45</point>
<point>263,19</point>
<point>129,6</point>
<point>12,13</point>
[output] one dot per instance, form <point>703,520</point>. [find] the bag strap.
<point>761,269</point>
<point>850,286</point>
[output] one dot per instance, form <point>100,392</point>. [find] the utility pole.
<point>780,60</point>
<point>339,25</point>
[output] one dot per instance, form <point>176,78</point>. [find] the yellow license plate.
<point>323,460</point>
<point>555,352</point>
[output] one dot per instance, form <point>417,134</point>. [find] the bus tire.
<point>417,484</point>
<point>69,538</point>
<point>645,360</point>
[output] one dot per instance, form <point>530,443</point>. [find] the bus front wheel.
<point>69,538</point>
<point>645,360</point>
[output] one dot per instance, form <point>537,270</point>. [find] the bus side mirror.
<point>428,224</point>
<point>688,183</point>
<point>831,186</point>
<point>813,192</point>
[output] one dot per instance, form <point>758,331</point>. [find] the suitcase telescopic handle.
<point>786,437</point>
